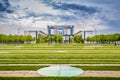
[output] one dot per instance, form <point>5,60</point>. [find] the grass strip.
<point>62,48</point>
<point>60,56</point>
<point>70,51</point>
<point>13,68</point>
<point>60,61</point>
<point>59,78</point>
<point>117,68</point>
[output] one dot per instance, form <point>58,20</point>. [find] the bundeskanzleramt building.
<point>66,31</point>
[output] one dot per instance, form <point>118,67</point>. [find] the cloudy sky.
<point>102,15</point>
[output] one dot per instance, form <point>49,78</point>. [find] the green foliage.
<point>88,39</point>
<point>58,38</point>
<point>43,39</point>
<point>102,38</point>
<point>15,38</point>
<point>78,39</point>
<point>71,39</point>
<point>39,39</point>
<point>47,39</point>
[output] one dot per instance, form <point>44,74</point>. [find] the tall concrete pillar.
<point>36,35</point>
<point>84,35</point>
<point>49,31</point>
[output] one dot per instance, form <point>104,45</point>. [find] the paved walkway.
<point>93,73</point>
<point>88,73</point>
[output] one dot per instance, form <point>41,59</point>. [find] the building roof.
<point>60,26</point>
<point>80,32</point>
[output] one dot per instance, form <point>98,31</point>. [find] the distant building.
<point>34,33</point>
<point>65,30</point>
<point>85,33</point>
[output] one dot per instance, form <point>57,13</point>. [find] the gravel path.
<point>94,73</point>
<point>88,73</point>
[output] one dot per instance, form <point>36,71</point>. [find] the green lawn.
<point>51,54</point>
<point>59,54</point>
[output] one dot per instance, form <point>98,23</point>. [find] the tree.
<point>78,39</point>
<point>71,39</point>
<point>29,38</point>
<point>1,38</point>
<point>15,38</point>
<point>58,38</point>
<point>116,37</point>
<point>22,38</point>
<point>38,40</point>
<point>51,39</point>
<point>105,38</point>
<point>47,39</point>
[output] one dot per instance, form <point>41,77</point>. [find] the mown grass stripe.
<point>59,56</point>
<point>68,61</point>
<point>60,64</point>
<point>115,68</point>
<point>59,78</point>
<point>60,59</point>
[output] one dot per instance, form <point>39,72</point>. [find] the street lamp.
<point>94,29</point>
<point>19,30</point>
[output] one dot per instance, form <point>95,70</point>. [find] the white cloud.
<point>35,6</point>
<point>23,9</point>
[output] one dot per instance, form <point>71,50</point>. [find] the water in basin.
<point>59,70</point>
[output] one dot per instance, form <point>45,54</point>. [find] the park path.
<point>87,73</point>
<point>60,64</point>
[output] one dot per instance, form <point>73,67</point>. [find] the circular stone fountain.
<point>59,70</point>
